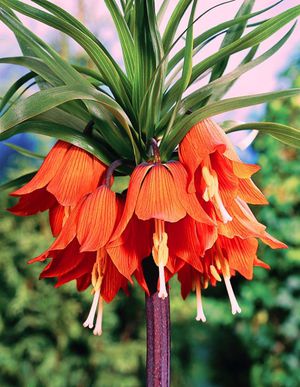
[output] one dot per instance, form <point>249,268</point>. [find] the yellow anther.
<point>218,263</point>
<point>214,273</point>
<point>225,268</point>
<point>208,178</point>
<point>205,196</point>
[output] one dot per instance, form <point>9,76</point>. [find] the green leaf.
<point>35,65</point>
<point>216,31</point>
<point>14,89</point>
<point>188,52</point>
<point>218,87</point>
<point>233,33</point>
<point>253,38</point>
<point>23,151</point>
<point>124,34</point>
<point>110,70</point>
<point>17,182</point>
<point>173,23</point>
<point>284,133</point>
<point>64,133</point>
<point>47,99</point>
<point>186,122</point>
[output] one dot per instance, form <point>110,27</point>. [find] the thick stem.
<point>158,330</point>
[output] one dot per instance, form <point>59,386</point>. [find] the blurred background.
<point>42,341</point>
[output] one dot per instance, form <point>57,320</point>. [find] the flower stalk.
<point>158,330</point>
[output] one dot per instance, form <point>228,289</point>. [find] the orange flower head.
<point>66,175</point>
<point>157,194</point>
<point>81,252</point>
<point>215,171</point>
<point>226,257</point>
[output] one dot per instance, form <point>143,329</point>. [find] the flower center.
<point>97,277</point>
<point>212,192</point>
<point>160,252</point>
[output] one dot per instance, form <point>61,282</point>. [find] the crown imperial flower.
<point>59,184</point>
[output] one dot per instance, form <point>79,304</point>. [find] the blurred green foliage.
<point>42,341</point>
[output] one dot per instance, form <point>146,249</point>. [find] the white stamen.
<point>162,283</point>
<point>235,308</point>
<point>200,313</point>
<point>89,322</point>
<point>98,328</point>
<point>225,216</point>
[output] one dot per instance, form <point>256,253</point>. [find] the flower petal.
<point>75,177</point>
<point>272,242</point>
<point>241,254</point>
<point>84,267</point>
<point>131,247</point>
<point>97,219</point>
<point>183,242</point>
<point>158,198</point>
<point>51,165</point>
<point>188,200</point>
<point>250,193</point>
<point>56,219</point>
<point>136,180</point>
<point>64,262</point>
<point>83,282</point>
<point>34,202</point>
<point>113,281</point>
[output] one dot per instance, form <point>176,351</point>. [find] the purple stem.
<point>158,331</point>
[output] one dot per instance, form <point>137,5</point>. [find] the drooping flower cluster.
<point>192,215</point>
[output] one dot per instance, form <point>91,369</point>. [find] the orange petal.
<point>128,251</point>
<point>56,219</point>
<point>186,278</point>
<point>258,262</point>
<point>32,203</point>
<point>158,197</point>
<point>272,242</point>
<point>183,242</point>
<point>83,282</point>
<point>51,165</point>
<point>84,267</point>
<point>75,177</point>
<point>243,170</point>
<point>68,232</point>
<point>188,200</point>
<point>243,224</point>
<point>241,254</point>
<point>139,276</point>
<point>136,180</point>
<point>203,139</point>
<point>112,282</point>
<point>97,219</point>
<point>64,261</point>
<point>250,193</point>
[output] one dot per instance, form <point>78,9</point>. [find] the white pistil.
<point>98,328</point>
<point>162,282</point>
<point>89,322</point>
<point>200,313</point>
<point>235,308</point>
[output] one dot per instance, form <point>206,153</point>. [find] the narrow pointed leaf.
<point>24,151</point>
<point>284,133</point>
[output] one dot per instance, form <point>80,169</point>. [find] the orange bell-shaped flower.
<point>66,175</point>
